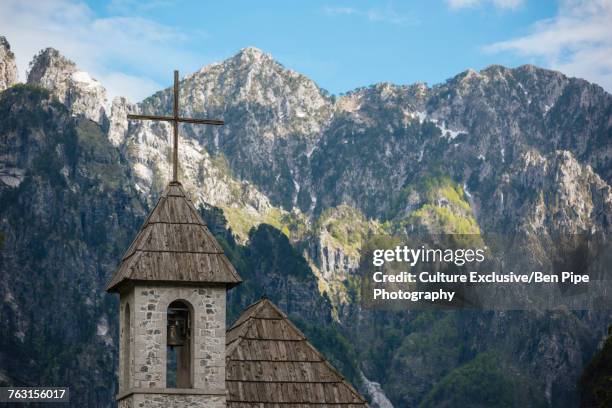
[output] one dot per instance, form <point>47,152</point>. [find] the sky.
<point>133,46</point>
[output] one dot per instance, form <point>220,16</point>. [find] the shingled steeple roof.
<point>270,363</point>
<point>174,245</point>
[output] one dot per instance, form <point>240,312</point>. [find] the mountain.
<point>293,186</point>
<point>496,135</point>
<point>66,214</point>
<point>273,117</point>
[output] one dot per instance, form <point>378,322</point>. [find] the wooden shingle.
<point>174,246</point>
<point>270,363</point>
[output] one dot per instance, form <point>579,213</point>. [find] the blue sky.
<point>132,47</point>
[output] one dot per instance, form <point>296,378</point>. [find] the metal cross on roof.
<point>176,119</point>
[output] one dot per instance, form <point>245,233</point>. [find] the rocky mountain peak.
<point>250,77</point>
<point>82,94</point>
<point>258,74</point>
<point>495,69</point>
<point>8,68</point>
<point>49,67</point>
<point>468,75</point>
<point>249,54</point>
<point>269,111</point>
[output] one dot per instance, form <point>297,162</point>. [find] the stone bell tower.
<point>172,283</point>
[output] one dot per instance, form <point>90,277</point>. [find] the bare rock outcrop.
<point>76,89</point>
<point>8,68</point>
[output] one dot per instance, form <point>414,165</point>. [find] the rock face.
<point>208,179</point>
<point>82,94</point>
<point>571,197</point>
<point>379,399</point>
<point>118,127</point>
<point>8,68</point>
<point>204,169</point>
<point>333,248</point>
<point>273,119</point>
<point>308,151</point>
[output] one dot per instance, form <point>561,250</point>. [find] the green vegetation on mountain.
<point>335,346</point>
<point>596,380</point>
<point>267,256</point>
<point>442,208</point>
<point>442,220</point>
<point>483,382</point>
<point>346,227</point>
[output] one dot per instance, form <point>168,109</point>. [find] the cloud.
<point>577,41</point>
<point>129,6</point>
<point>383,15</point>
<point>500,4</point>
<point>135,88</point>
<point>124,53</point>
<point>336,11</point>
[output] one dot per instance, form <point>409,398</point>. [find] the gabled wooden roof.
<point>174,245</point>
<point>270,363</point>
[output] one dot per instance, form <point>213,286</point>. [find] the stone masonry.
<point>148,310</point>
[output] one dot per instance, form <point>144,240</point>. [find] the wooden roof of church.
<point>271,364</point>
<point>174,245</point>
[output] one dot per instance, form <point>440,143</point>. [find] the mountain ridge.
<point>496,150</point>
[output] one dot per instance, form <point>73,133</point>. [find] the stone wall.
<point>126,403</point>
<point>162,400</point>
<point>149,304</point>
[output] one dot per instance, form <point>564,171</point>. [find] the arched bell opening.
<point>179,345</point>
<point>126,335</point>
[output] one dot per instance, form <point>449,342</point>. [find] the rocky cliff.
<point>82,94</point>
<point>8,68</point>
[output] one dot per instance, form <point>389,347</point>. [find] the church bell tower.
<point>172,284</point>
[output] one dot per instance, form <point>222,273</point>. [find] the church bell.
<point>178,333</point>
<point>175,337</point>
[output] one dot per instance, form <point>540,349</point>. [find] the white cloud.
<point>577,41</point>
<point>501,4</point>
<point>384,15</point>
<point>133,87</point>
<point>105,47</point>
<point>336,11</point>
<point>129,6</point>
<point>459,4</point>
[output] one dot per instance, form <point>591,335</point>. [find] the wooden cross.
<point>176,119</point>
